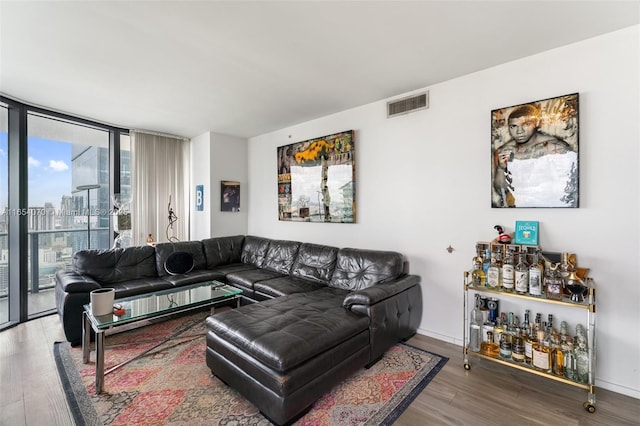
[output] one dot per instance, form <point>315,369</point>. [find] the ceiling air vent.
<point>407,105</point>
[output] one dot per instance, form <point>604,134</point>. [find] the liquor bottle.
<point>498,329</point>
<point>564,270</point>
<point>569,360</point>
<point>493,305</point>
<point>533,339</point>
<point>522,275</point>
<point>546,340</point>
<point>537,324</point>
<point>557,357</point>
<point>511,324</point>
<point>493,273</point>
<point>525,327</point>
<point>529,342</point>
<point>564,331</point>
<point>489,347</point>
<point>508,272</point>
<point>541,354</point>
<point>475,327</point>
<point>566,267</point>
<point>505,346</point>
<point>535,277</point>
<point>582,361</point>
<point>553,283</point>
<point>550,330</point>
<point>478,277</point>
<point>486,261</point>
<point>581,333</point>
<point>517,349</point>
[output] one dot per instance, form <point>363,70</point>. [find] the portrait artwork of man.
<point>534,151</point>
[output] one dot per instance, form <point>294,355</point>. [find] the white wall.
<point>216,157</point>
<point>200,221</point>
<point>423,184</point>
<point>229,162</point>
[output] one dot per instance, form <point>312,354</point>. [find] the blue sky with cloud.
<point>49,171</point>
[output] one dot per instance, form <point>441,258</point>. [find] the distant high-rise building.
<point>4,272</point>
<point>90,166</point>
<point>66,213</point>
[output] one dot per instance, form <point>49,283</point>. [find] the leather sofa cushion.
<point>248,277</point>
<point>357,269</point>
<point>283,286</point>
<point>234,267</point>
<point>116,265</point>
<point>194,277</point>
<point>222,250</point>
<point>194,248</point>
<point>140,286</point>
<point>285,332</point>
<point>280,256</point>
<point>315,262</point>
<point>254,250</point>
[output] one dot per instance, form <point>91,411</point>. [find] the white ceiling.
<point>247,68</point>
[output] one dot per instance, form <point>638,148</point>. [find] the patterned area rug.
<point>172,385</point>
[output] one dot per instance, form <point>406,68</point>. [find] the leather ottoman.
<point>285,353</point>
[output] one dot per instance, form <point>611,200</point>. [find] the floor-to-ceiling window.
<point>57,193</point>
<point>4,203</point>
<point>122,226</point>
<point>68,170</point>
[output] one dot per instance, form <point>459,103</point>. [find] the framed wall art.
<point>317,180</point>
<point>199,198</point>
<point>229,196</point>
<point>534,154</point>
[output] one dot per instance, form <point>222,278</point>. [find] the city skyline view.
<point>67,169</point>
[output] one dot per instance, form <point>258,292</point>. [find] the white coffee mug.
<point>102,301</point>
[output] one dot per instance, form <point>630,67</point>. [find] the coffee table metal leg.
<point>99,360</point>
<point>86,338</point>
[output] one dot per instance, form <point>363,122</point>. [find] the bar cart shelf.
<point>588,306</point>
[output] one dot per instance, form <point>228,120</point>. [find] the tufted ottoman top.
<point>285,333</point>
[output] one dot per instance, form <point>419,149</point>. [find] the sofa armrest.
<point>394,309</point>
<point>380,292</point>
<point>72,282</point>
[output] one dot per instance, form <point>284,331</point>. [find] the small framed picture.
<point>229,196</point>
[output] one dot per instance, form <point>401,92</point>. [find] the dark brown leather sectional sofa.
<point>314,314</point>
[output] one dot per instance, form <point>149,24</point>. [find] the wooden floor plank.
<point>488,394</point>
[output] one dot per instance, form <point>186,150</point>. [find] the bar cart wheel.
<point>589,407</point>
<point>467,366</point>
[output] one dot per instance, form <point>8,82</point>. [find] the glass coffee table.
<point>149,306</point>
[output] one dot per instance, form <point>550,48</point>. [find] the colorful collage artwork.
<point>316,180</point>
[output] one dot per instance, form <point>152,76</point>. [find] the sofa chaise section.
<point>284,353</point>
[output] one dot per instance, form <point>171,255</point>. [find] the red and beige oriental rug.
<point>172,385</point>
